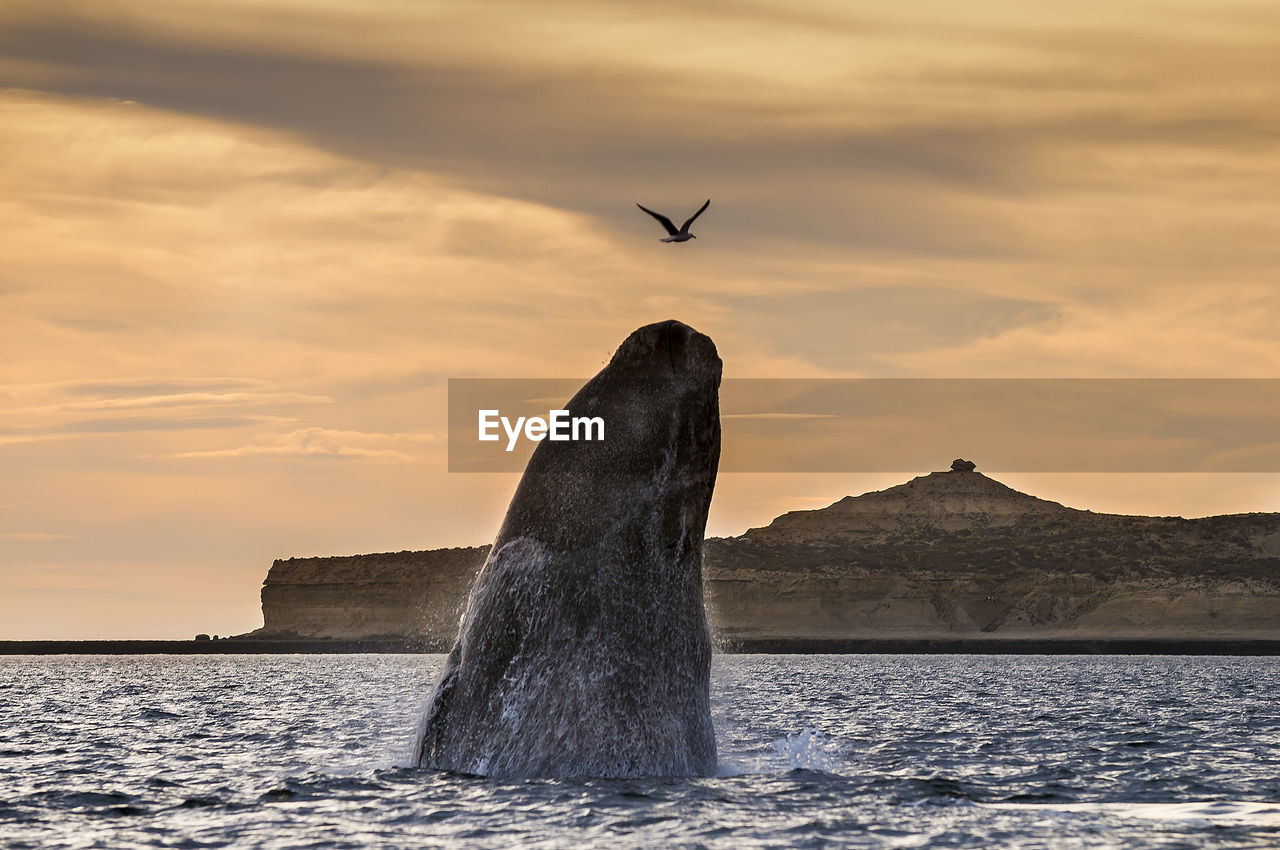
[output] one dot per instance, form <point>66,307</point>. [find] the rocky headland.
<point>949,555</point>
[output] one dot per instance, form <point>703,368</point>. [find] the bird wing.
<point>701,210</point>
<point>663,220</point>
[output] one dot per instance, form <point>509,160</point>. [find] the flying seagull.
<point>681,235</point>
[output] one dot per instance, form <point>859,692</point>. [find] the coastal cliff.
<point>946,555</point>
<point>957,554</point>
<point>394,594</point>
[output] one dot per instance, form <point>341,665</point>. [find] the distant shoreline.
<point>797,646</point>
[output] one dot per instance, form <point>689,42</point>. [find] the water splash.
<point>808,749</point>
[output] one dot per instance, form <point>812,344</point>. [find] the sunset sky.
<point>245,243</point>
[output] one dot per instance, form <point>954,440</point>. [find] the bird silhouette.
<point>673,235</point>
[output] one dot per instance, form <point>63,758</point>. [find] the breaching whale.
<point>584,649</point>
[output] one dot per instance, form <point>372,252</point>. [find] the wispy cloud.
<point>141,386</point>
<point>178,400</point>
<point>125,425</point>
<point>56,410</point>
<point>325,443</point>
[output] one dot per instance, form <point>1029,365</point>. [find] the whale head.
<point>659,399</point>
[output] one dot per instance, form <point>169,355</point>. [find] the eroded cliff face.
<point>950,554</point>
<point>403,594</point>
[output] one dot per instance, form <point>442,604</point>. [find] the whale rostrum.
<point>584,649</point>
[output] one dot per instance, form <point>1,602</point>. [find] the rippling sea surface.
<point>864,751</point>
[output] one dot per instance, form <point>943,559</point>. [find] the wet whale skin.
<point>584,649</point>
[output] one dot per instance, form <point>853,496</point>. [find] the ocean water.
<point>815,751</point>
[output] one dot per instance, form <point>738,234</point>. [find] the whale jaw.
<point>679,237</point>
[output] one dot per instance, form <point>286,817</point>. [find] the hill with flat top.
<point>958,554</point>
